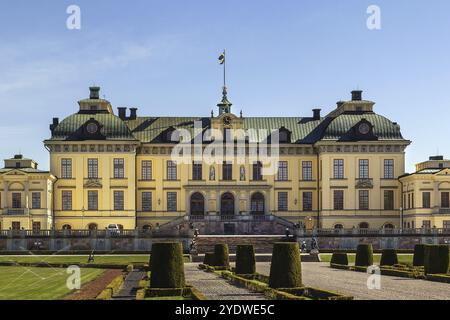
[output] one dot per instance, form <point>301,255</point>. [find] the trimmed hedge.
<point>112,288</point>
<point>364,255</point>
<point>245,259</point>
<point>221,256</point>
<point>389,257</point>
<point>419,255</point>
<point>286,267</point>
<point>339,258</point>
<point>209,259</point>
<point>436,259</point>
<point>167,265</point>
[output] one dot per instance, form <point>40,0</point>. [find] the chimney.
<point>316,114</point>
<point>340,103</point>
<point>54,124</point>
<point>122,113</point>
<point>356,95</point>
<point>95,93</point>
<point>436,158</point>
<point>18,156</point>
<point>133,113</point>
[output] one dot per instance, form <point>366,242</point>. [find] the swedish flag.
<point>222,58</point>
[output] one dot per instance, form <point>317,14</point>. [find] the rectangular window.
<point>16,200</point>
<point>307,170</point>
<point>146,170</point>
<point>363,199</point>
<point>92,168</point>
<point>445,201</point>
<point>282,201</point>
<point>426,200</point>
<point>389,169</point>
<point>146,201</point>
<point>92,200</point>
<point>364,169</point>
<point>36,226</point>
<point>119,169</point>
<point>307,201</point>
<point>426,224</point>
<point>282,171</point>
<point>257,171</point>
<point>171,170</point>
<point>338,199</point>
<point>227,171</point>
<point>171,201</point>
<point>67,200</point>
<point>118,200</point>
<point>66,168</point>
<point>36,200</point>
<point>388,200</point>
<point>197,170</point>
<point>446,224</point>
<point>338,169</point>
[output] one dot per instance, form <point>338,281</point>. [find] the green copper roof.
<point>383,128</point>
<point>113,128</point>
<point>303,130</point>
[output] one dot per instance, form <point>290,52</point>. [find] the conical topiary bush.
<point>436,259</point>
<point>388,257</point>
<point>167,265</point>
<point>245,259</point>
<point>364,255</point>
<point>221,256</point>
<point>286,268</point>
<point>419,255</point>
<point>209,259</point>
<point>339,258</point>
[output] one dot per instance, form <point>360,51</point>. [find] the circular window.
<point>92,128</point>
<point>364,128</point>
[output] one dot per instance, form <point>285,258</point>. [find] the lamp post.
<point>401,219</point>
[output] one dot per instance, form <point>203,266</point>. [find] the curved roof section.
<point>383,128</point>
<point>113,128</point>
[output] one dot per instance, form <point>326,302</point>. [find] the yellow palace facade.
<point>339,170</point>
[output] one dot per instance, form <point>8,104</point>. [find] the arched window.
<point>338,226</point>
<point>67,227</point>
<point>227,204</point>
<point>197,204</point>
<point>389,226</point>
<point>257,203</point>
<point>147,227</point>
<point>364,225</point>
<point>92,226</point>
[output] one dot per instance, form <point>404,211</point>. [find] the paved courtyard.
<point>320,275</point>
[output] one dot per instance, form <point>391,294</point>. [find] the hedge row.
<point>436,259</point>
<point>245,259</point>
<point>112,288</point>
<point>286,267</point>
<point>364,255</point>
<point>340,258</point>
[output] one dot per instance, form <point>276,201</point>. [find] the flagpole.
<point>224,69</point>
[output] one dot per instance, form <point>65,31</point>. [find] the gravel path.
<point>216,288</point>
<point>321,276</point>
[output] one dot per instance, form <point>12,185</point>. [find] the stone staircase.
<point>262,244</point>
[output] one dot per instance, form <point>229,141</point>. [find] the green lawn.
<point>76,259</point>
<point>79,259</point>
<point>20,283</point>
<point>402,258</point>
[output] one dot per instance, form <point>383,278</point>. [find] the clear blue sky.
<point>284,58</point>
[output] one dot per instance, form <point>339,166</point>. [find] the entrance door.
<point>257,204</point>
<point>227,204</point>
<point>197,204</point>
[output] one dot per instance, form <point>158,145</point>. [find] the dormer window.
<point>364,128</point>
<point>92,128</point>
<point>284,135</point>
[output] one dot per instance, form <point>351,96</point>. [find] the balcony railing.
<point>444,210</point>
<point>16,211</point>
